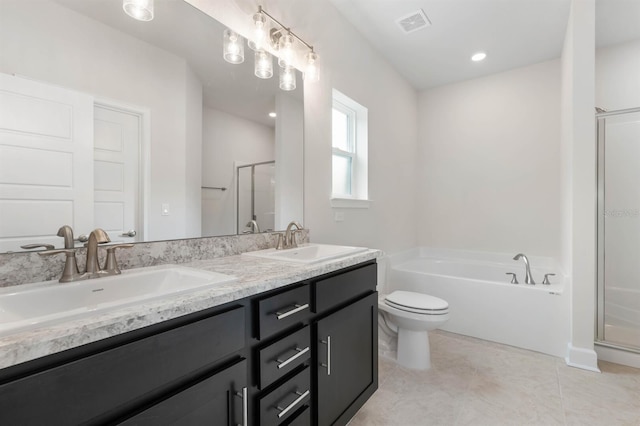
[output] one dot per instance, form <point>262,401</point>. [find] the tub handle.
<point>514,280</point>
<point>546,278</point>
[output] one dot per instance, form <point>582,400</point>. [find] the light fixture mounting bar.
<point>261,10</point>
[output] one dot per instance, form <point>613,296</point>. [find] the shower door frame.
<point>600,140</point>
<point>253,189</point>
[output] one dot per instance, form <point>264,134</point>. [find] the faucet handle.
<point>34,246</point>
<point>280,242</point>
<point>111,264</point>
<point>70,271</point>
<point>546,278</point>
<point>514,279</point>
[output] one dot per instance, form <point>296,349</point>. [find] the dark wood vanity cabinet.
<point>305,354</point>
<point>346,343</point>
<point>107,380</point>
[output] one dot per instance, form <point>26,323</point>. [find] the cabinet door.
<point>220,399</point>
<point>347,360</point>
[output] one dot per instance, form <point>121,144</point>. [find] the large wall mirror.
<point>110,122</point>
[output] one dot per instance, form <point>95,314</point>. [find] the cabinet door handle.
<point>284,411</point>
<point>245,406</point>
<point>293,358</point>
<point>328,364</point>
<point>296,309</point>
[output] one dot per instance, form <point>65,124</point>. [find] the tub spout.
<point>528,279</point>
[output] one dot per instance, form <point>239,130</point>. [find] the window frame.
<point>358,140</point>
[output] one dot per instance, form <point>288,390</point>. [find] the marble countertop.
<point>255,275</point>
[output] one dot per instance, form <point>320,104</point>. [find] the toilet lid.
<point>416,302</point>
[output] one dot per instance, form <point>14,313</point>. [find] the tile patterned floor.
<point>475,382</point>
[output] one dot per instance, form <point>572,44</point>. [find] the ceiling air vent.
<point>413,21</point>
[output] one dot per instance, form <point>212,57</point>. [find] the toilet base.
<point>413,349</point>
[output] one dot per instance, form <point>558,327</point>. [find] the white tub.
<point>482,301</point>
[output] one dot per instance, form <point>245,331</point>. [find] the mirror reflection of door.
<point>46,167</point>
<point>116,158</point>
<point>64,161</point>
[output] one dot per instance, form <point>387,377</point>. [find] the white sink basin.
<point>307,253</point>
<point>49,302</point>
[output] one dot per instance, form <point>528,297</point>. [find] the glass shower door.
<point>619,229</point>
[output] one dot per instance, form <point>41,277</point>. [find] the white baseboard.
<point>584,358</point>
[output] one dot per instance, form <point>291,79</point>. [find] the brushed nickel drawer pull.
<point>296,309</point>
<point>245,406</point>
<point>284,411</point>
<point>293,358</point>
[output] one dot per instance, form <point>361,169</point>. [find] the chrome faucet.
<point>97,236</point>
<point>253,227</point>
<point>528,279</point>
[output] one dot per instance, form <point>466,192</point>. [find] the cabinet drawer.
<point>287,399</point>
<point>89,388</point>
<point>278,312</point>
<point>337,289</point>
<point>283,356</point>
<point>219,399</point>
<point>302,417</point>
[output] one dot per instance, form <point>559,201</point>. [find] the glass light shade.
<point>287,78</point>
<point>260,32</point>
<point>263,67</point>
<point>285,50</point>
<point>312,73</point>
<point>142,10</point>
<point>233,47</point>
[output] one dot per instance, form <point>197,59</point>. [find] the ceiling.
<point>513,33</point>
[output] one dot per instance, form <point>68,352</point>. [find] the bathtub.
<point>482,301</point>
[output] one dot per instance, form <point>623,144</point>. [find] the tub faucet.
<point>528,279</point>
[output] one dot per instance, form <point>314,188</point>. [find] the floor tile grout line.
<point>564,413</point>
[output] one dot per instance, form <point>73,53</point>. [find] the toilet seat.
<point>418,303</point>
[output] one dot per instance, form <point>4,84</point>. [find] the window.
<point>349,160</point>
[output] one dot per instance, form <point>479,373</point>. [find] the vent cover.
<point>413,21</point>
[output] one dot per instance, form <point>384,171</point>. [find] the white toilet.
<point>412,315</point>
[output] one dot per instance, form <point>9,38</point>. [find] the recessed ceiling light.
<point>477,57</point>
<point>272,114</point>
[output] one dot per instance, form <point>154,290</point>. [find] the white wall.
<point>490,162</point>
<point>228,139</point>
<point>59,46</point>
<point>618,76</point>
<point>349,64</point>
<point>579,178</point>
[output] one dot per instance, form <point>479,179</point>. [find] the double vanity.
<point>286,337</point>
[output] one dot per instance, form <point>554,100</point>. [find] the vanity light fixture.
<point>268,38</point>
<point>263,67</point>
<point>311,72</point>
<point>287,78</point>
<point>273,114</point>
<point>285,50</point>
<point>260,32</point>
<point>142,10</point>
<point>477,57</point>
<point>233,47</point>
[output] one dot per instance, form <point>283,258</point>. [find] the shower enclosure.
<point>255,197</point>
<point>618,313</point>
